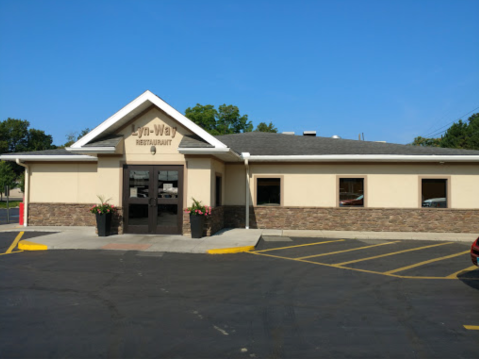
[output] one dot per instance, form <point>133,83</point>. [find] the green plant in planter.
<point>197,213</point>
<point>103,213</point>
<point>104,207</point>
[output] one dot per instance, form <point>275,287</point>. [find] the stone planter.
<point>103,224</point>
<point>197,224</point>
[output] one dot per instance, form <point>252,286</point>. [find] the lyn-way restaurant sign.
<point>157,130</point>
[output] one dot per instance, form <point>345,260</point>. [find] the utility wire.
<point>435,132</point>
<point>445,115</point>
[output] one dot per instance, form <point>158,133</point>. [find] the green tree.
<point>13,135</point>
<point>7,178</point>
<point>72,137</point>
<point>16,136</point>
<point>21,182</point>
<point>461,135</point>
<point>224,121</point>
<point>426,142</point>
<point>263,127</point>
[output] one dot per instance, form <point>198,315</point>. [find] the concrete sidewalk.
<point>86,238</point>
<point>234,240</point>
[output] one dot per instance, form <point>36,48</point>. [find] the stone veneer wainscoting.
<point>440,220</point>
<point>213,223</point>
<point>69,214</point>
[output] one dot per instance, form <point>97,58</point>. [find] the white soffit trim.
<point>55,158</point>
<point>367,158</point>
<point>93,149</point>
<point>155,100</point>
<point>207,151</point>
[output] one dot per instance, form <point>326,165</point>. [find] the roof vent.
<point>309,133</point>
<point>288,133</point>
<point>336,136</point>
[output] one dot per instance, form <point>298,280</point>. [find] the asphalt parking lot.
<point>411,259</point>
<point>296,302</point>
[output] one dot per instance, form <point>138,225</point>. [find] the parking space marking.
<point>300,245</point>
<point>425,262</point>
<point>346,250</point>
<point>4,254</point>
<point>471,327</point>
<point>462,271</point>
<point>14,243</point>
<point>365,270</point>
<point>393,253</point>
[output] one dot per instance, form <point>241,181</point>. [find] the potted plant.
<point>197,213</point>
<point>103,213</point>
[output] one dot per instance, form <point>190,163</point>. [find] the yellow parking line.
<point>471,327</point>
<point>462,271</point>
<point>317,263</point>
<point>348,268</point>
<point>425,262</point>
<point>14,244</point>
<point>393,253</point>
<point>300,245</point>
<point>347,250</point>
<point>4,254</point>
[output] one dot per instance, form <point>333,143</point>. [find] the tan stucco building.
<point>150,160</point>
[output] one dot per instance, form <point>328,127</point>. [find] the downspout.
<point>27,190</point>
<point>246,155</point>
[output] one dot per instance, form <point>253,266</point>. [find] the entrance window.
<point>351,192</point>
<point>139,184</point>
<point>167,184</point>
<point>268,192</point>
<point>218,191</point>
<point>434,193</point>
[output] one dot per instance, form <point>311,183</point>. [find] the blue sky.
<point>390,69</point>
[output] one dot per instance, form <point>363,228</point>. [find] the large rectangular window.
<point>268,192</point>
<point>434,192</point>
<point>351,192</point>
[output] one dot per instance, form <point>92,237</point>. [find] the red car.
<point>359,201</point>
<point>475,251</point>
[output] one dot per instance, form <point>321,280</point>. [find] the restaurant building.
<point>150,161</point>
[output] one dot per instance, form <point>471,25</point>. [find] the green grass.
<point>11,204</point>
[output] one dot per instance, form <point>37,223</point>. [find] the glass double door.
<point>153,199</point>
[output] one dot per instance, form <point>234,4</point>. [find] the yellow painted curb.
<point>31,246</point>
<point>230,250</point>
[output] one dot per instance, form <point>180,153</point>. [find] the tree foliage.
<point>263,127</point>
<point>222,121</point>
<point>7,177</point>
<point>16,136</point>
<point>426,142</point>
<point>73,137</point>
<point>461,135</point>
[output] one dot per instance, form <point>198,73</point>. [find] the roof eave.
<point>365,158</point>
<point>52,158</point>
<point>150,97</point>
<point>232,155</point>
<point>102,150</point>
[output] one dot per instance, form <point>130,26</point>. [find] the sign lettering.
<point>157,130</point>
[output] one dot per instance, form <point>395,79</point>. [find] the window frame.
<point>448,191</point>
<point>220,175</point>
<point>281,189</point>
<point>365,189</point>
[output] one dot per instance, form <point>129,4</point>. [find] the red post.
<point>21,214</point>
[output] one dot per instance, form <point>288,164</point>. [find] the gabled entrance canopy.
<point>130,111</point>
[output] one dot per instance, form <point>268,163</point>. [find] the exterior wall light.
<point>153,150</point>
